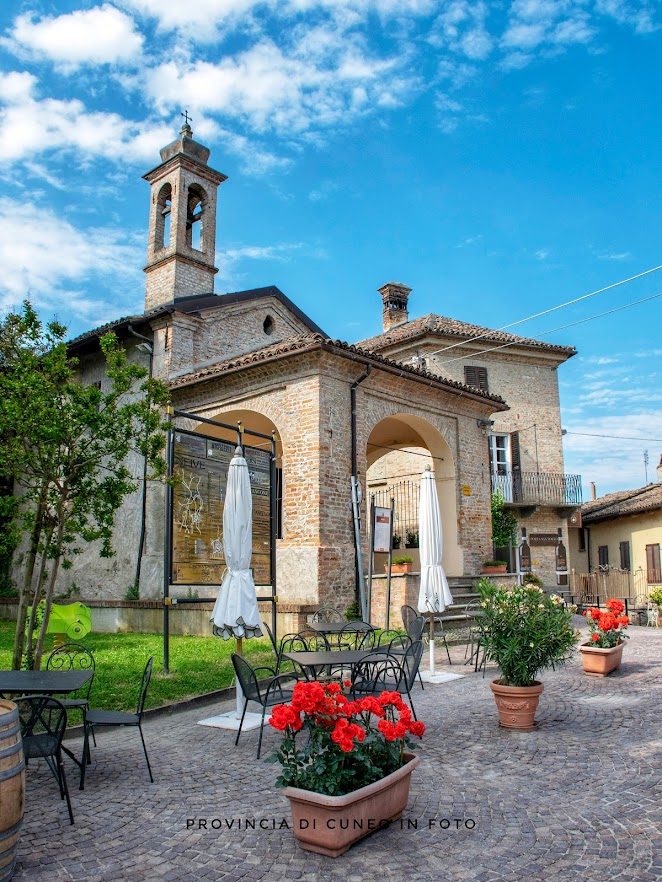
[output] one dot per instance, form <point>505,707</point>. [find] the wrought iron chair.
<point>377,673</point>
<point>273,692</point>
<point>96,717</point>
<point>74,657</point>
<point>43,721</point>
<point>327,614</point>
<point>408,614</point>
<point>270,634</point>
<point>354,637</point>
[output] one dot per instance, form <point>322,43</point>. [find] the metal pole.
<point>167,544</point>
<point>371,555</point>
<point>359,553</point>
<point>432,644</point>
<point>274,535</point>
<point>387,618</point>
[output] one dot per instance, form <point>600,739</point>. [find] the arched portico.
<point>398,449</point>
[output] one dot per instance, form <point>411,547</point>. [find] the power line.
<point>618,437</point>
<point>554,330</point>
<point>552,309</point>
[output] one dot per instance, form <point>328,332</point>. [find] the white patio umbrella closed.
<point>434,595</point>
<point>235,611</point>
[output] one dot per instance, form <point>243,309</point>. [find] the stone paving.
<point>579,798</point>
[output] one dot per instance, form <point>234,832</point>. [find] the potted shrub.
<point>401,564</point>
<point>344,764</point>
<point>504,527</point>
<point>531,579</point>
<point>396,540</point>
<point>603,652</point>
<point>494,567</point>
<point>412,539</point>
<point>524,632</point>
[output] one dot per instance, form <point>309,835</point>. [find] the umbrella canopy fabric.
<point>235,611</point>
<point>434,594</point>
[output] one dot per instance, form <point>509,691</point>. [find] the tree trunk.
<point>23,599</point>
<point>61,517</point>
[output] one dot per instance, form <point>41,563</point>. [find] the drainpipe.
<point>359,593</point>
<point>148,347</point>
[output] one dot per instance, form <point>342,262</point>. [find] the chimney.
<point>394,304</point>
<point>594,495</point>
<point>659,470</point>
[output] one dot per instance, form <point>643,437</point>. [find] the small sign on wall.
<point>382,536</point>
<point>575,519</point>
<point>466,490</point>
<point>543,539</point>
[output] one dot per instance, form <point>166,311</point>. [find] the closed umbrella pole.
<point>235,612</point>
<point>434,594</point>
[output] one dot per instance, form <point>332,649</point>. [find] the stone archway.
<point>398,449</point>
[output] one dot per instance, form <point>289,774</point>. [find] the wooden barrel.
<point>12,787</point>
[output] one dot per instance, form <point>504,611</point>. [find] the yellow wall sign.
<point>466,490</point>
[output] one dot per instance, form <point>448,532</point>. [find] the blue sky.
<point>497,157</point>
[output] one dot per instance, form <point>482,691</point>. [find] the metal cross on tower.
<point>187,119</point>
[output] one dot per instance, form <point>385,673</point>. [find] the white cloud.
<point>101,35</point>
<point>50,124</point>
<point>541,254</point>
<point>46,258</point>
<point>614,255</point>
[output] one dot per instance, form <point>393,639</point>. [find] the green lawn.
<point>197,665</point>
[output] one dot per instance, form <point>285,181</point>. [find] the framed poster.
<point>382,535</point>
<point>201,469</point>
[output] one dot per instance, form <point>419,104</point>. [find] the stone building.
<point>619,542</point>
<point>337,409</point>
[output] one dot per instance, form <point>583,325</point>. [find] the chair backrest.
<point>73,657</point>
<point>409,664</point>
<point>271,636</point>
<point>247,678</point>
<point>376,673</point>
<point>43,721</point>
<point>327,614</point>
<point>416,627</point>
<point>315,641</point>
<point>408,614</point>
<point>355,635</point>
<point>144,686</point>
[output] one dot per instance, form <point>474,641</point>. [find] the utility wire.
<point>619,437</point>
<point>552,309</point>
<point>552,330</point>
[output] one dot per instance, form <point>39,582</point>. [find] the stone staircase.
<point>454,617</point>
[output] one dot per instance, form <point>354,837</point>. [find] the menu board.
<point>201,468</point>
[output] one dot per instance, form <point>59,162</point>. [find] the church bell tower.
<point>182,222</point>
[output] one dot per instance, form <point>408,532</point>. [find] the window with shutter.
<point>603,555</point>
<point>476,376</point>
<point>625,556</point>
<point>654,575</point>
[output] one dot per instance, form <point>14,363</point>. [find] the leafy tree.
<point>65,444</point>
<point>504,522</point>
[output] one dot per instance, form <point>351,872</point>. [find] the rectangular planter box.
<point>330,824</point>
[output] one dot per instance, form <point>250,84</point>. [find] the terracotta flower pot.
<point>517,705</point>
<point>330,824</point>
<point>598,662</point>
<point>399,568</point>
<point>494,571</point>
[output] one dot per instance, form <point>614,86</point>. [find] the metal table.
<point>334,658</point>
<point>337,627</point>
<point>44,683</point>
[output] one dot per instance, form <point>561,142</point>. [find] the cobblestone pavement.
<point>579,798</point>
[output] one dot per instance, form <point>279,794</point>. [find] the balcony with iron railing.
<point>538,488</point>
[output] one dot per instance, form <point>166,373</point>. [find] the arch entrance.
<point>398,450</point>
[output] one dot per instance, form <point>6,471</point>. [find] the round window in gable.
<point>268,326</point>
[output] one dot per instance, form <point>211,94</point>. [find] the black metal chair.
<point>96,717</point>
<point>74,657</point>
<point>327,614</point>
<point>270,634</point>
<point>408,614</point>
<point>43,721</point>
<point>391,673</point>
<point>268,694</point>
<point>356,635</point>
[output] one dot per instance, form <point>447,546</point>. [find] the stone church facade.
<point>337,409</point>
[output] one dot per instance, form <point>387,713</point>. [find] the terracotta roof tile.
<point>622,503</point>
<point>447,327</point>
<point>309,342</point>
